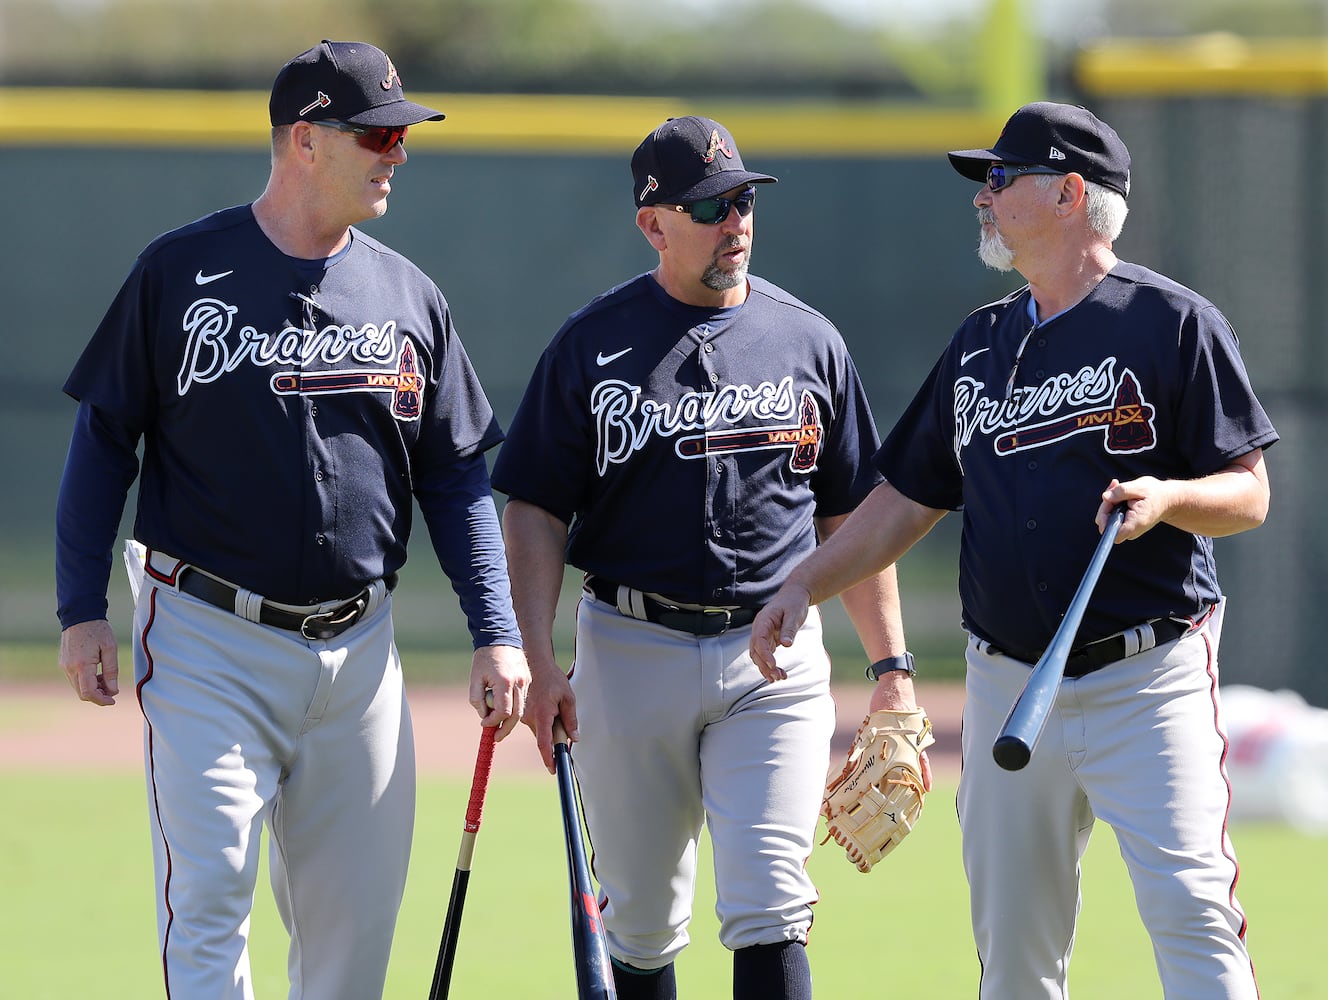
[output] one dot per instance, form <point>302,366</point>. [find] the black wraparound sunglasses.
<point>1002,175</point>
<point>713,211</point>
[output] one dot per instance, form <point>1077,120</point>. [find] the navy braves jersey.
<point>1024,426</point>
<point>289,408</point>
<point>689,448</point>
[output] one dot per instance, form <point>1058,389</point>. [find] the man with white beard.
<point>1100,383</point>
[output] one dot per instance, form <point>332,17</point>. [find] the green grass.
<point>77,913</point>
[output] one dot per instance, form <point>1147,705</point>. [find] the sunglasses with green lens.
<point>713,211</point>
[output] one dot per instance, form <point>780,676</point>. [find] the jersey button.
<point>1030,524</point>
<point>1042,588</point>
<point>320,538</point>
<point>709,348</point>
<point>714,378</point>
<point>1032,466</point>
<point>318,476</point>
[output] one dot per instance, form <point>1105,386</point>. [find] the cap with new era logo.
<point>344,81</point>
<point>1063,137</point>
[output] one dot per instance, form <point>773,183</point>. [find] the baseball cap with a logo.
<point>686,160</point>
<point>344,81</point>
<point>1064,137</point>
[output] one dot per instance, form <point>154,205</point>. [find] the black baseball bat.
<point>1028,716</point>
<point>479,784</point>
<point>590,948</point>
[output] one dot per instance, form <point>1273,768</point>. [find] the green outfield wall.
<point>519,208</point>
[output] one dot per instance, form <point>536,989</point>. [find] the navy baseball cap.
<point>1063,137</point>
<point>344,81</point>
<point>686,160</point>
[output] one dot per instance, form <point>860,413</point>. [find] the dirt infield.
<point>45,727</point>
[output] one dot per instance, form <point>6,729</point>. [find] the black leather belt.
<point>1095,655</point>
<point>703,622</point>
<point>322,625</point>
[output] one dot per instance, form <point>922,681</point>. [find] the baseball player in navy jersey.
<point>1099,383</point>
<point>683,441</point>
<point>297,386</point>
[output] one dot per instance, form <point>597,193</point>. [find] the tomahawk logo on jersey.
<point>405,384</point>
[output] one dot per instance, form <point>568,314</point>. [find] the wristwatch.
<point>903,662</point>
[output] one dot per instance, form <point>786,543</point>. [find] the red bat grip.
<point>480,783</point>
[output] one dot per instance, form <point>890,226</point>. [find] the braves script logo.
<point>1090,400</point>
<point>624,422</point>
<point>215,346</point>
<point>717,145</point>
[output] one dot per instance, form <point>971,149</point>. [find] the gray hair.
<point>1106,208</point>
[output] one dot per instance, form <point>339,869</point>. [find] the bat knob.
<point>1010,752</point>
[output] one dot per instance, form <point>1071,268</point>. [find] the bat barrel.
<point>1011,752</point>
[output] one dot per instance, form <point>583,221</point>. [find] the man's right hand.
<point>550,697</point>
<point>776,625</point>
<point>89,659</point>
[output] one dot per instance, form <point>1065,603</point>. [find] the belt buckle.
<point>334,625</point>
<point>709,614</point>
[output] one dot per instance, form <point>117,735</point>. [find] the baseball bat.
<point>590,948</point>
<point>1028,716</point>
<point>479,784</point>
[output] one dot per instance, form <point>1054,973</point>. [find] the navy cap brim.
<point>973,163</point>
<point>726,180</point>
<point>396,114</point>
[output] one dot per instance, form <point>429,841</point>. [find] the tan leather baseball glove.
<point>874,802</point>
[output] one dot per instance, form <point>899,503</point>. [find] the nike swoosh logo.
<point>603,359</point>
<point>968,356</point>
<point>206,279</point>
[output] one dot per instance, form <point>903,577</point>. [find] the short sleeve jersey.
<point>1023,426</point>
<point>689,448</point>
<point>288,408</point>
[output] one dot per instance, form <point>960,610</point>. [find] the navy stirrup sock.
<point>772,972</point>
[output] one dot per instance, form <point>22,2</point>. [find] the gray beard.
<point>993,252</point>
<point>717,279</point>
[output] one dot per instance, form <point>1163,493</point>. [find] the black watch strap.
<point>903,662</point>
